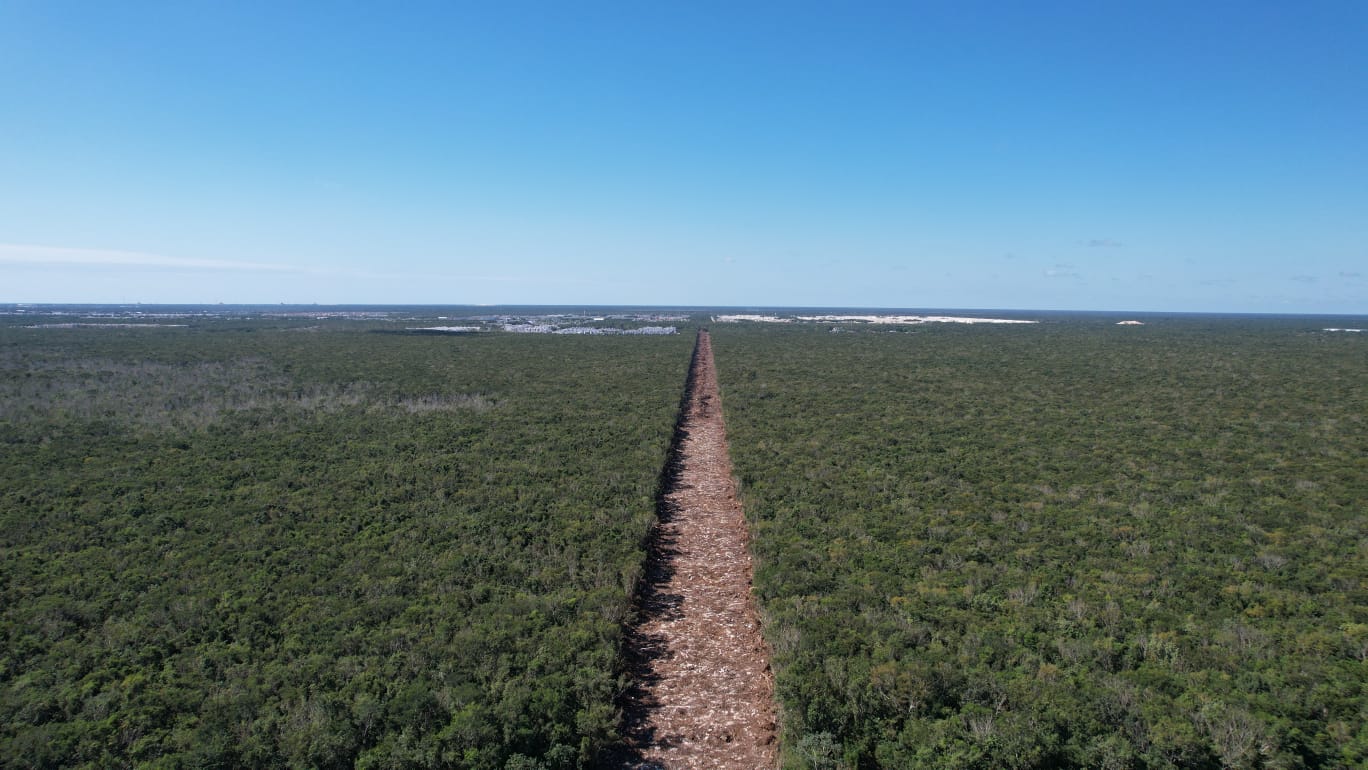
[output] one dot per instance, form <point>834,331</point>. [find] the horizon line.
<point>684,307</point>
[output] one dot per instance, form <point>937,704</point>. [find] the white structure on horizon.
<point>911,319</point>
<point>771,319</point>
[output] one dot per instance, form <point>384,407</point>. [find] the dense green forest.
<point>279,543</point>
<point>260,543</point>
<point>1071,544</point>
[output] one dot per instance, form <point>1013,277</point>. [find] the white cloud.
<point>28,254</point>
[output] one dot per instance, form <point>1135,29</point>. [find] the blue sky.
<point>1171,156</point>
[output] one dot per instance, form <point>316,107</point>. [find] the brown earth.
<point>703,693</point>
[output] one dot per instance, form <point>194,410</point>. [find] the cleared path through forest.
<point>704,694</point>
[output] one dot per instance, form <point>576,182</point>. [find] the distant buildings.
<point>596,330</point>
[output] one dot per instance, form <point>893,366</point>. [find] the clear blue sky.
<point>1208,156</point>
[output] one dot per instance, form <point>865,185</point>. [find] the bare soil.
<point>703,693</point>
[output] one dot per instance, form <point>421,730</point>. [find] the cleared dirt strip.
<point>704,693</point>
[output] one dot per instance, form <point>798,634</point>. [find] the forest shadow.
<point>642,649</point>
<point>652,602</point>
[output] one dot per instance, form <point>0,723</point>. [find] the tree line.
<point>1071,545</point>
<point>253,544</point>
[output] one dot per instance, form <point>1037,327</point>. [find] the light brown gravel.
<point>704,693</point>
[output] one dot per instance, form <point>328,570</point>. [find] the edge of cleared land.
<point>702,692</point>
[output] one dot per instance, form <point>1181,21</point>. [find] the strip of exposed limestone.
<point>703,692</point>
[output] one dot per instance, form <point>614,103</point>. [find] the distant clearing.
<point>868,319</point>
